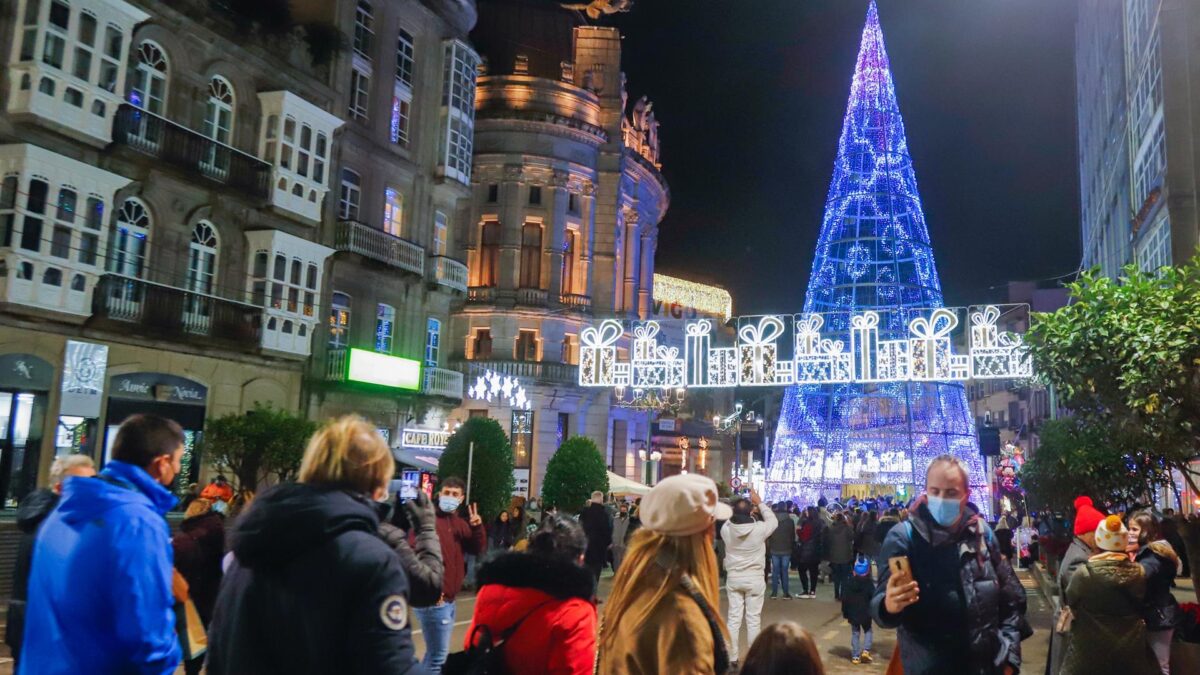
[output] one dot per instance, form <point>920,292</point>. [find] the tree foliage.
<point>1077,457</point>
<point>491,469</point>
<point>260,444</point>
<point>1125,356</point>
<point>573,474</point>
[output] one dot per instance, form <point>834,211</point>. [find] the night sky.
<point>751,95</point>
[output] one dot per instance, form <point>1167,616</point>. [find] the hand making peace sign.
<point>473,516</point>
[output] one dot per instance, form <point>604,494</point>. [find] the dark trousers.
<point>808,576</point>
<point>841,571</point>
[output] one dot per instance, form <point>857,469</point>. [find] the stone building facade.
<point>406,88</point>
<point>562,227</point>
<point>175,214</point>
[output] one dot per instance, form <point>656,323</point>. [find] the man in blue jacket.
<point>100,592</point>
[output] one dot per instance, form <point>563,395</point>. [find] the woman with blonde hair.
<point>661,616</point>
<point>312,588</point>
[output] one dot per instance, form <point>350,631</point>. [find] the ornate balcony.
<point>190,150</point>
<point>541,371</point>
<point>449,272</point>
<point>531,297</point>
<point>376,244</point>
<point>582,303</point>
<point>173,313</point>
<point>481,294</point>
<point>443,382</point>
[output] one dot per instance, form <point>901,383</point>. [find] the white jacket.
<point>746,544</point>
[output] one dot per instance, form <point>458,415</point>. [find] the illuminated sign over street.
<point>902,345</point>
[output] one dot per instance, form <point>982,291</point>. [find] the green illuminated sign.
<point>383,370</point>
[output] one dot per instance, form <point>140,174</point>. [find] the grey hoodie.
<point>745,544</point>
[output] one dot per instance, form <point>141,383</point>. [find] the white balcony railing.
<point>442,382</point>
<point>449,273</point>
<point>376,244</point>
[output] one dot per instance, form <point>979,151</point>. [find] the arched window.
<point>568,262</point>
<point>202,258</point>
<point>218,113</point>
<point>52,276</point>
<point>489,253</point>
<point>218,124</point>
<point>531,255</point>
<point>127,243</point>
<point>149,90</point>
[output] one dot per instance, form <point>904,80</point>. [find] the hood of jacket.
<point>118,485</point>
<point>1164,549</point>
<point>290,519</point>
<point>740,530</point>
<point>558,578</point>
<point>34,508</point>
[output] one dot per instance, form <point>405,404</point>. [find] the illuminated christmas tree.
<point>873,254</point>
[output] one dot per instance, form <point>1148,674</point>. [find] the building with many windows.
<point>406,88</point>
<point>1139,126</point>
<point>562,226</point>
<point>201,210</point>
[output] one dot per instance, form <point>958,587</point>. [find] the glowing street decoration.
<point>494,387</point>
<point>925,353</point>
<point>703,298</point>
<point>875,284</point>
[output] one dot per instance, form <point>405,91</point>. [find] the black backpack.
<point>485,656</point>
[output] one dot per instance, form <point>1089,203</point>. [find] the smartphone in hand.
<point>899,567</point>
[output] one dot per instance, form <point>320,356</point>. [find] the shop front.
<point>25,383</point>
<point>177,398</point>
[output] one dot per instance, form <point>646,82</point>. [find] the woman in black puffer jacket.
<point>1160,563</point>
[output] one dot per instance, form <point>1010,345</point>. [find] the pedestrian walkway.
<point>821,616</point>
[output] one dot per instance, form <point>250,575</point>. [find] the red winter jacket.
<point>558,634</point>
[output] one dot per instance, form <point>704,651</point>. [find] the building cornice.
<point>540,122</point>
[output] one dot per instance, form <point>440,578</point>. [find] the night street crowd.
<point>322,575</point>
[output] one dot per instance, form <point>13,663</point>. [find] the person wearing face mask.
<point>100,588</point>
<point>961,610</point>
<point>458,537</point>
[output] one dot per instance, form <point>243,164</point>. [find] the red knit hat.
<point>1087,518</point>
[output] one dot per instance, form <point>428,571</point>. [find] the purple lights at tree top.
<point>873,253</point>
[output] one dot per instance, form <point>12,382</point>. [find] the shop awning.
<point>421,458</point>
<point>619,485</point>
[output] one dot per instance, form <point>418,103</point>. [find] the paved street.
<point>823,618</point>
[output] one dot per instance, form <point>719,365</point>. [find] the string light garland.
<point>705,299</point>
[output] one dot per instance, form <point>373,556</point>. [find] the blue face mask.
<point>449,504</point>
<point>944,511</point>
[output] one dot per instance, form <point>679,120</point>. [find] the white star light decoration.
<point>492,387</point>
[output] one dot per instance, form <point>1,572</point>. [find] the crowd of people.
<point>323,574</point>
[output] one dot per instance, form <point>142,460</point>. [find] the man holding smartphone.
<point>956,602</point>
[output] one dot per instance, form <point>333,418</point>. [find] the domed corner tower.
<point>873,254</point>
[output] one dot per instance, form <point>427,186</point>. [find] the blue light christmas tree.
<point>873,254</point>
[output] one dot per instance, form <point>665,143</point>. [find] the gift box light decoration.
<point>874,255</point>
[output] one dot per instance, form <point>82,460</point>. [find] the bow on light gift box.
<point>655,365</point>
<point>819,360</point>
<point>929,346</point>
<point>864,341</point>
<point>696,345</point>
<point>996,354</point>
<point>758,351</point>
<point>598,354</point>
